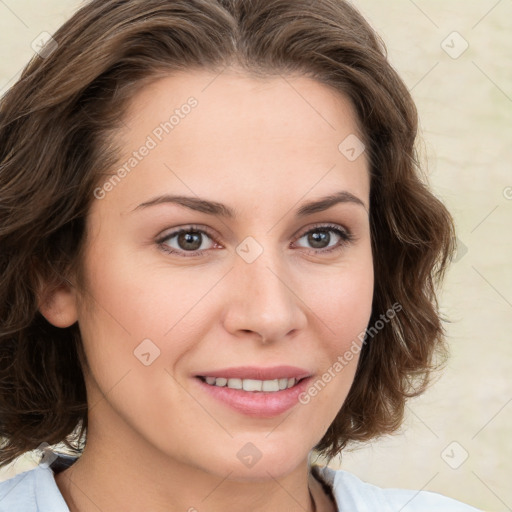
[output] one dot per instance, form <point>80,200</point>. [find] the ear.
<point>57,303</point>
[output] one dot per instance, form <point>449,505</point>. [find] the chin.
<point>264,473</point>
<point>250,465</point>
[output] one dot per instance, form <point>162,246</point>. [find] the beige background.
<point>465,106</point>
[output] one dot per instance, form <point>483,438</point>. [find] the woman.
<point>218,256</point>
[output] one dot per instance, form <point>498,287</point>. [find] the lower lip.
<point>258,404</point>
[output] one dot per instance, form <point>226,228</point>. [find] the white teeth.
<point>235,383</point>
<point>251,385</point>
<point>269,386</point>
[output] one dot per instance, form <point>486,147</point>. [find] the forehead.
<point>211,133</point>
<point>230,101</point>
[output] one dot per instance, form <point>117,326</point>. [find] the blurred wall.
<point>456,58</point>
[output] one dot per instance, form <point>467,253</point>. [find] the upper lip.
<point>258,373</point>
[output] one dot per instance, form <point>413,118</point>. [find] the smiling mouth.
<point>251,385</point>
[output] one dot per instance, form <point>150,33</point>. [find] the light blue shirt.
<point>36,491</point>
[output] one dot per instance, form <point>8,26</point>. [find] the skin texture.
<point>156,441</point>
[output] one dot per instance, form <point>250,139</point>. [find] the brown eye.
<point>320,238</point>
<point>187,240</point>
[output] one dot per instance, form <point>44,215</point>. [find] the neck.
<point>115,473</point>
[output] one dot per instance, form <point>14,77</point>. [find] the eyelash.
<point>345,235</point>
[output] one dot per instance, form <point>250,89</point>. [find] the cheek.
<point>342,306</point>
<point>134,300</point>
<point>137,310</point>
<point>346,308</point>
<point>341,299</point>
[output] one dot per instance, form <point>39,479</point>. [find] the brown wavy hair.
<point>56,130</point>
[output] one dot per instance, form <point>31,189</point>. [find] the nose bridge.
<point>261,277</point>
<point>263,301</point>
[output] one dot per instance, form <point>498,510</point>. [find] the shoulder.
<point>351,493</point>
<point>32,491</point>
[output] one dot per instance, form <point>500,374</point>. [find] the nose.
<point>263,299</point>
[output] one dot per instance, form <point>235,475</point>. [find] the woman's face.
<point>236,291</point>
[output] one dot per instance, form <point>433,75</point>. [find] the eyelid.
<point>324,226</point>
<point>346,235</point>
<point>186,228</point>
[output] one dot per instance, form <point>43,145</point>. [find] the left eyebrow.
<point>219,209</point>
<point>324,203</point>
